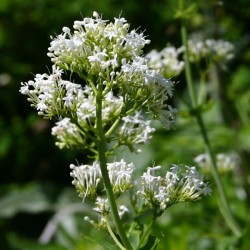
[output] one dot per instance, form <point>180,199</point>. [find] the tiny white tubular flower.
<point>181,183</point>
<point>122,210</point>
<point>166,61</point>
<point>150,184</point>
<point>135,130</point>
<point>86,178</point>
<point>226,162</point>
<point>102,206</point>
<point>120,175</point>
<point>103,209</point>
<point>67,134</point>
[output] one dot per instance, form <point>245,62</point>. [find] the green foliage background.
<point>35,183</point>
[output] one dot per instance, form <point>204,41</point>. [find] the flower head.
<point>46,92</point>
<point>135,130</point>
<point>67,134</point>
<point>225,162</point>
<point>95,45</point>
<point>210,49</point>
<point>179,184</point>
<point>86,178</point>
<point>166,61</point>
<point>120,174</point>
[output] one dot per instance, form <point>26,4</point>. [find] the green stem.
<point>188,73</point>
<point>223,203</point>
<point>104,170</point>
<point>202,90</point>
<point>113,235</point>
<point>112,128</point>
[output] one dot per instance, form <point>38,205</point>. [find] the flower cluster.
<point>210,49</point>
<point>107,54</point>
<point>120,175</point>
<point>67,134</point>
<point>166,61</point>
<point>87,177</point>
<point>225,162</point>
<point>46,92</point>
<point>179,184</point>
<point>103,209</point>
<point>169,63</point>
<point>135,130</point>
<point>96,45</point>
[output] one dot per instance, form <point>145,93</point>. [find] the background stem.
<point>223,203</point>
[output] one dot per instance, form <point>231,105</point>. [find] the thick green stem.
<point>104,170</point>
<point>223,203</point>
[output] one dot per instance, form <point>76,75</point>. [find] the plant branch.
<point>113,235</point>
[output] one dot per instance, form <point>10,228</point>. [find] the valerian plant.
<point>112,106</point>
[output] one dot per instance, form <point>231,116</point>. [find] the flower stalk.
<point>223,203</point>
<point>103,165</point>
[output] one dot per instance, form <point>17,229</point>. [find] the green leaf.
<point>28,199</point>
<point>187,13</point>
<point>151,243</point>
<point>19,243</point>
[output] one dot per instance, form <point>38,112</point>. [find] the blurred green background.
<point>35,183</point>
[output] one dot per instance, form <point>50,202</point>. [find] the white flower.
<point>225,162</point>
<point>166,61</point>
<point>102,206</point>
<point>220,50</point>
<point>179,184</point>
<point>150,184</point>
<point>86,178</point>
<point>45,92</point>
<point>105,53</point>
<point>210,49</point>
<point>67,134</point>
<point>120,175</point>
<point>103,209</point>
<point>135,130</point>
<point>51,95</point>
<point>109,52</point>
<point>122,210</point>
<point>94,44</point>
